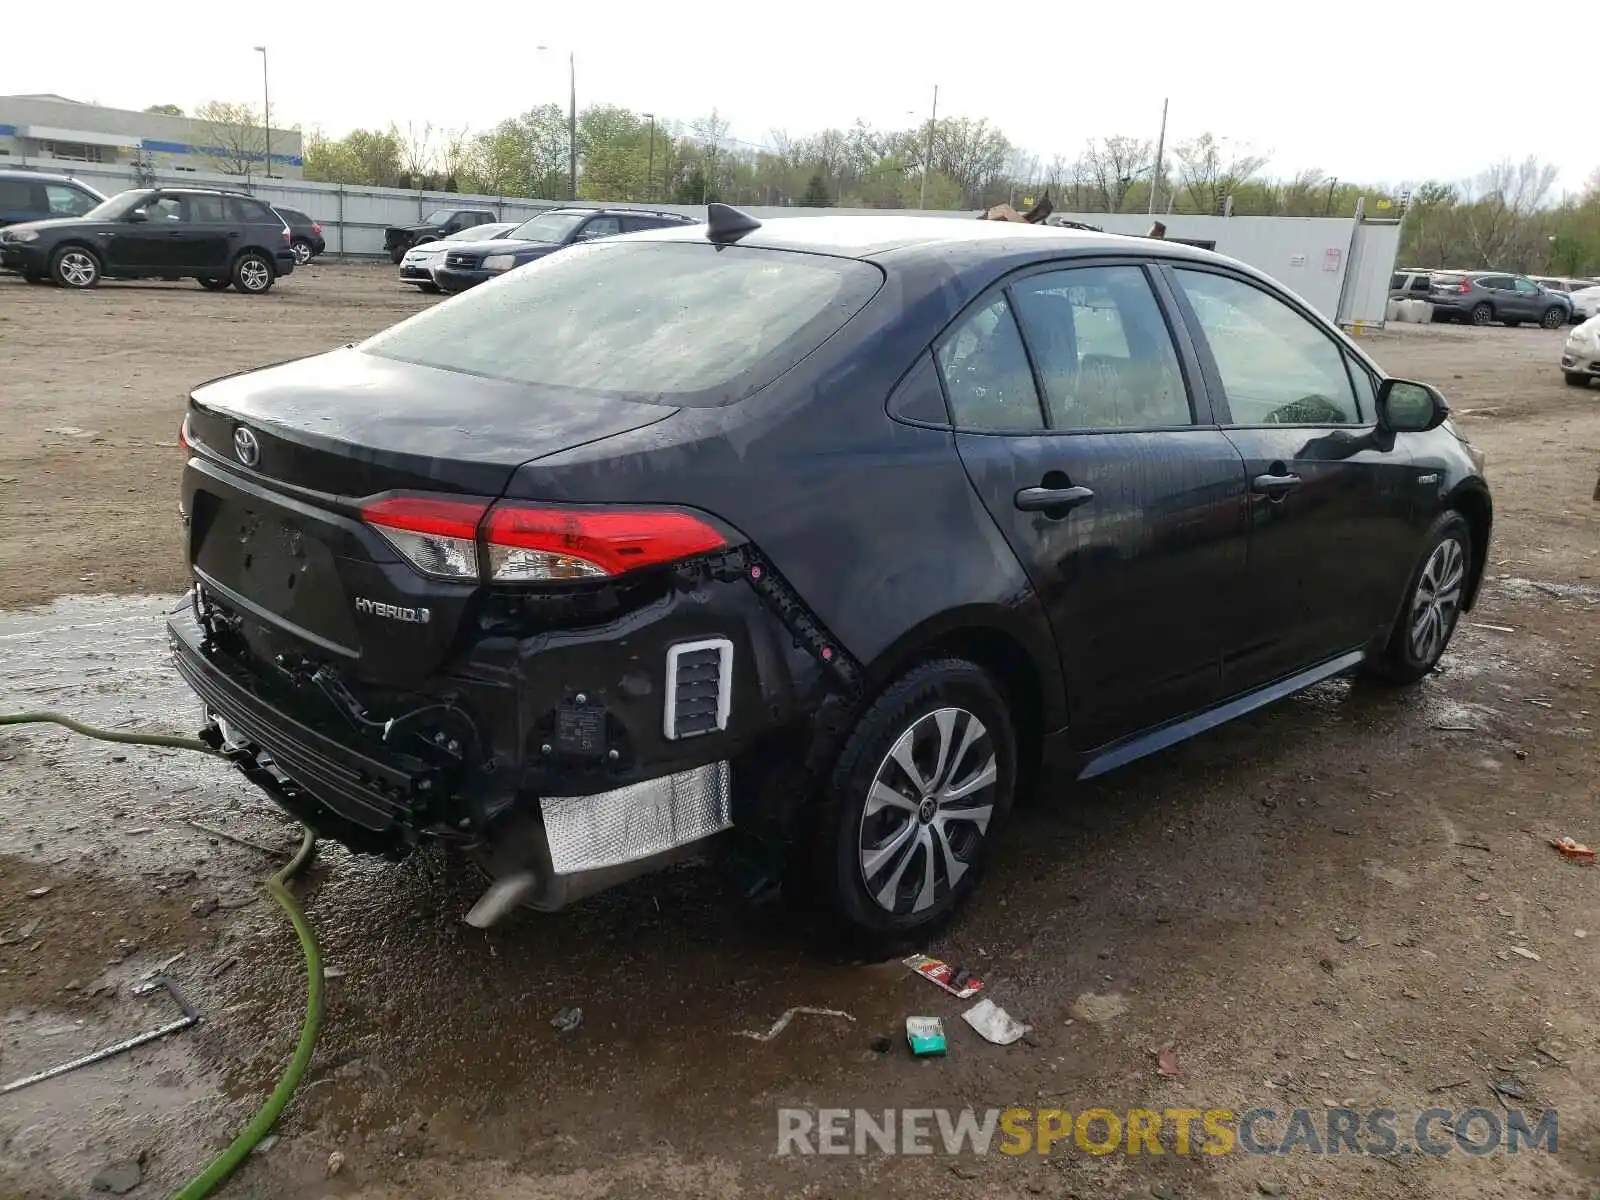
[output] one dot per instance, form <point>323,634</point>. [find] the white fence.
<point>1338,265</point>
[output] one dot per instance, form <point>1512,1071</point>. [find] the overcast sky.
<point>1339,89</point>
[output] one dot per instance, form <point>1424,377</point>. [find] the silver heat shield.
<point>586,833</point>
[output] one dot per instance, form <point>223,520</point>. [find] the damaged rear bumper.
<point>581,780</point>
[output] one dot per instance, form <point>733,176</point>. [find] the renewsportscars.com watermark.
<point>1215,1131</point>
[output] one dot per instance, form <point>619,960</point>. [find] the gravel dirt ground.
<point>1346,899</point>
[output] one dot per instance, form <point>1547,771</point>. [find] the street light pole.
<point>650,170</point>
<point>1161,146</point>
<point>927,162</point>
<point>266,111</point>
<point>572,126</point>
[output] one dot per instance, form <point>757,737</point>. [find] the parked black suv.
<point>821,531</point>
<point>397,239</point>
<point>218,238</point>
<point>305,235</point>
<point>31,196</point>
<point>468,265</point>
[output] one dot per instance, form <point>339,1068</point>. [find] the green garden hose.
<point>277,886</point>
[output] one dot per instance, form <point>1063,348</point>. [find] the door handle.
<point>1039,499</point>
<point>174,233</point>
<point>1274,487</point>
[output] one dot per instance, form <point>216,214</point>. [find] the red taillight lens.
<point>531,544</point>
<point>287,237</point>
<point>1464,287</point>
<point>316,228</point>
<point>436,535</point>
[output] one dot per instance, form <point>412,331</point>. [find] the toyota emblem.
<point>246,446</point>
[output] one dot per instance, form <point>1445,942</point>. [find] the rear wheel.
<point>431,288</point>
<point>1481,314</point>
<point>1432,606</point>
<point>75,267</point>
<point>302,252</point>
<point>1554,318</point>
<point>214,285</point>
<point>1511,324</point>
<point>35,277</point>
<point>397,252</point>
<point>1575,378</point>
<point>252,273</point>
<point>916,795</point>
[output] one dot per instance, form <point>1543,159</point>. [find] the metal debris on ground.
<point>567,1019</point>
<point>958,981</point>
<point>1496,628</point>
<point>213,831</point>
<point>190,1017</point>
<point>926,1035</point>
<point>1167,1063</point>
<point>38,892</point>
<point>995,1024</point>
<point>782,1022</point>
<point>1524,952</point>
<point>1576,851</point>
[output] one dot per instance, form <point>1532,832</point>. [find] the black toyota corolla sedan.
<point>808,538</point>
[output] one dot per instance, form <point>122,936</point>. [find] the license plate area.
<point>276,562</point>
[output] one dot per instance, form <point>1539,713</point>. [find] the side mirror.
<point>136,216</point>
<point>1408,407</point>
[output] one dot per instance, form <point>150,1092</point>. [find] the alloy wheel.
<point>302,253</point>
<point>254,275</point>
<point>78,269</point>
<point>1437,600</point>
<point>1554,319</point>
<point>927,810</point>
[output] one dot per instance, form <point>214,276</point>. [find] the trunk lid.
<point>275,531</point>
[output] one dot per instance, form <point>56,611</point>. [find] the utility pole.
<point>1161,147</point>
<point>266,111</point>
<point>572,126</point>
<point>927,161</point>
<point>650,170</point>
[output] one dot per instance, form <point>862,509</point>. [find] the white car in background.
<point>416,265</point>
<point>1585,303</point>
<point>1580,359</point>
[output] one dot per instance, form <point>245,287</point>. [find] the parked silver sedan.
<point>416,268</point>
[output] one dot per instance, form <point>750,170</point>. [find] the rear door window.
<point>599,227</point>
<point>65,201</point>
<point>1104,354</point>
<point>208,210</point>
<point>987,379</point>
<point>16,196</point>
<point>678,323</point>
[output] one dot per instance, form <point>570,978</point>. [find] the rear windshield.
<point>682,323</point>
<point>1450,280</point>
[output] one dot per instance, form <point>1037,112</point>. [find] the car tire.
<point>1481,314</point>
<point>1554,318</point>
<point>895,856</point>
<point>1575,379</point>
<point>1432,604</point>
<point>302,251</point>
<point>35,277</point>
<point>252,273</point>
<point>1511,324</point>
<point>75,267</point>
<point>214,285</point>
<point>431,288</point>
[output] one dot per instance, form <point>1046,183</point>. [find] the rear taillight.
<point>316,228</point>
<point>1464,287</point>
<point>527,543</point>
<point>287,237</point>
<point>437,536</point>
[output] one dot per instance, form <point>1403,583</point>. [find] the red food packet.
<point>954,980</point>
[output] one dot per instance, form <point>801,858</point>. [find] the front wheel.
<point>1482,314</point>
<point>1575,378</point>
<point>431,289</point>
<point>75,267</point>
<point>252,273</point>
<point>1511,324</point>
<point>915,800</point>
<point>1432,605</point>
<point>215,285</point>
<point>1554,318</point>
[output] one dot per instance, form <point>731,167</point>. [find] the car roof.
<point>872,236</point>
<point>42,176</point>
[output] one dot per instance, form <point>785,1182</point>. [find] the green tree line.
<point>1506,217</point>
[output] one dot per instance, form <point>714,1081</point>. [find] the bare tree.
<point>710,132</point>
<point>1112,164</point>
<point>1498,204</point>
<point>1210,170</point>
<point>235,136</point>
<point>417,150</point>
